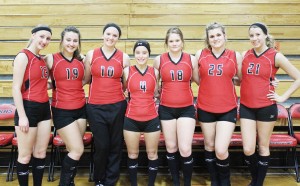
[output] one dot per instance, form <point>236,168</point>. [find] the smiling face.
<point>110,37</point>
<point>70,42</point>
<point>41,39</point>
<point>257,37</point>
<point>175,43</point>
<point>216,38</point>
<point>141,55</point>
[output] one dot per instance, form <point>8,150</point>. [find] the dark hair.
<point>209,27</point>
<point>173,30</point>
<point>41,27</point>
<point>75,30</point>
<point>142,43</point>
<point>270,42</point>
<point>113,25</point>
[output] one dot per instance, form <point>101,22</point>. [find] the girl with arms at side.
<point>217,101</point>
<point>106,104</point>
<point>32,118</point>
<point>141,114</point>
<point>176,110</point>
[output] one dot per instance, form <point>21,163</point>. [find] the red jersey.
<point>67,76</point>
<point>106,84</point>
<point>257,73</point>
<point>141,87</point>
<point>216,91</point>
<point>35,80</point>
<point>176,81</point>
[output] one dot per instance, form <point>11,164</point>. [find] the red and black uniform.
<point>106,84</point>
<point>68,97</point>
<point>34,90</point>
<point>257,73</point>
<point>176,81</point>
<point>34,87</point>
<point>141,87</point>
<point>216,93</point>
<point>105,113</point>
<point>67,76</point>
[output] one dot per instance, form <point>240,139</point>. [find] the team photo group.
<point>151,97</point>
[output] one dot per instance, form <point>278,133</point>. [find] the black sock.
<point>38,167</point>
<point>210,160</point>
<point>152,171</point>
<point>187,169</point>
<point>223,168</point>
<point>22,172</point>
<point>132,165</point>
<point>173,163</point>
<point>263,164</point>
<point>67,170</point>
<point>251,162</point>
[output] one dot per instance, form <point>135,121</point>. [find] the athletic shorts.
<point>152,125</point>
<point>268,113</point>
<point>208,117</point>
<point>169,113</point>
<point>64,117</point>
<point>35,112</point>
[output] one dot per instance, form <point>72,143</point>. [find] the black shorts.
<point>208,117</point>
<point>64,117</point>
<point>35,112</point>
<point>152,125</point>
<point>169,113</point>
<point>268,113</point>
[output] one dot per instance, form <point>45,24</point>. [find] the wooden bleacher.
<point>147,19</point>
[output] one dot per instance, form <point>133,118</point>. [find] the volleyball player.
<point>106,104</point>
<point>258,110</point>
<point>68,100</point>
<point>32,117</point>
<point>141,114</point>
<point>217,101</point>
<point>176,110</point>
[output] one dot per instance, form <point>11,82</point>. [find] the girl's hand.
<point>23,124</point>
<point>275,82</point>
<point>273,96</point>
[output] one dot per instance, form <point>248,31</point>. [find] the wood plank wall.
<point>147,19</point>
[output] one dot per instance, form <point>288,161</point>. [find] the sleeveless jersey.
<point>141,87</point>
<point>176,81</point>
<point>66,75</point>
<point>257,71</point>
<point>35,80</point>
<point>106,84</point>
<point>216,91</point>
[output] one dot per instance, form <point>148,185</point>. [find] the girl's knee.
<point>248,151</point>
<point>24,159</point>
<point>152,155</point>
<point>222,154</point>
<point>132,155</point>
<point>185,151</point>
